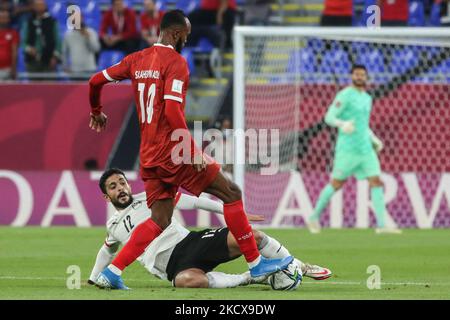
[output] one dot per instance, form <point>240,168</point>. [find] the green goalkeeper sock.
<point>379,206</point>
<point>324,198</point>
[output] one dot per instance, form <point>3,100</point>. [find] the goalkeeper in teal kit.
<point>356,149</point>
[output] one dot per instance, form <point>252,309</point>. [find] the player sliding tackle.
<point>356,149</point>
<point>160,78</point>
<point>185,258</point>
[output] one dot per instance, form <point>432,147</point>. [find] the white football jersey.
<point>156,256</point>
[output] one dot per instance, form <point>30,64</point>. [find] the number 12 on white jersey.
<point>150,99</point>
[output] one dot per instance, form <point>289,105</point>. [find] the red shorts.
<point>162,182</point>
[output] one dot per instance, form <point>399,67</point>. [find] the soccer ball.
<point>287,279</point>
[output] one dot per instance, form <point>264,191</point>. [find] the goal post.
<point>286,77</point>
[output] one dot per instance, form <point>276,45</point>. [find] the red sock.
<point>141,237</point>
<point>239,227</point>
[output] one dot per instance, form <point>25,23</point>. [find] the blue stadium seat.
<point>315,44</point>
<point>20,61</point>
<point>416,13</point>
<point>92,14</point>
<point>189,56</point>
<point>302,61</point>
<point>335,61</point>
<point>108,58</point>
<point>404,59</point>
<point>162,4</point>
<point>435,15</point>
<point>373,61</point>
<point>187,5</point>
<point>203,46</point>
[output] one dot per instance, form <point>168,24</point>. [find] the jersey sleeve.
<point>120,71</point>
<point>335,109</point>
<point>176,81</point>
<point>110,241</point>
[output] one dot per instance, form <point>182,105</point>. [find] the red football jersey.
<point>8,38</point>
<point>157,74</point>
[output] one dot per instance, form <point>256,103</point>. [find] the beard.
<point>179,46</point>
<point>359,83</point>
<point>122,205</point>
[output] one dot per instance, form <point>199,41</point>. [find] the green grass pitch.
<point>414,265</point>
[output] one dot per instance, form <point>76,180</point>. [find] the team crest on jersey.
<point>337,104</point>
<point>136,204</point>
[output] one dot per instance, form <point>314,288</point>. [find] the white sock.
<point>115,270</point>
<point>224,280</point>
<point>272,249</point>
<point>254,262</point>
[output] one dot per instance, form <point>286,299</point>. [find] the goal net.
<point>285,79</point>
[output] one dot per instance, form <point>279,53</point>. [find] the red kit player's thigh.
<point>155,188</point>
<point>197,182</point>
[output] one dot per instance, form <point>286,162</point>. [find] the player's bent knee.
<point>189,279</point>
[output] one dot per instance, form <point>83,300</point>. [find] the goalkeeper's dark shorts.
<point>203,250</point>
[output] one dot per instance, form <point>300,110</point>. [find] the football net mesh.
<point>289,82</point>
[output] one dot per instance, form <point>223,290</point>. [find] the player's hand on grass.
<point>98,122</point>
<point>255,217</point>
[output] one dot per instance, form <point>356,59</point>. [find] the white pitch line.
<point>326,282</point>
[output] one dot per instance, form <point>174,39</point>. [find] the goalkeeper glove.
<point>377,143</point>
<point>346,126</point>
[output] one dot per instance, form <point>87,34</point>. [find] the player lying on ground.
<point>356,149</point>
<point>185,258</point>
<point>160,77</point>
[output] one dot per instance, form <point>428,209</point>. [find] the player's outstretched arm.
<point>115,73</point>
<point>332,117</point>
<point>98,119</point>
<point>104,257</point>
<point>187,202</point>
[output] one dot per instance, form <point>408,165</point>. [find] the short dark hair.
<point>358,66</point>
<point>173,18</point>
<point>108,173</point>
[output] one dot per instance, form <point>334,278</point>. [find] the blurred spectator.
<point>394,13</point>
<point>9,40</point>
<point>79,49</point>
<point>445,12</point>
<point>22,11</point>
<point>40,40</point>
<point>150,21</point>
<point>337,13</point>
<point>257,12</point>
<point>219,13</point>
<point>121,22</point>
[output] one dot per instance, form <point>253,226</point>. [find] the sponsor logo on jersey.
<point>136,204</point>
<point>146,74</point>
